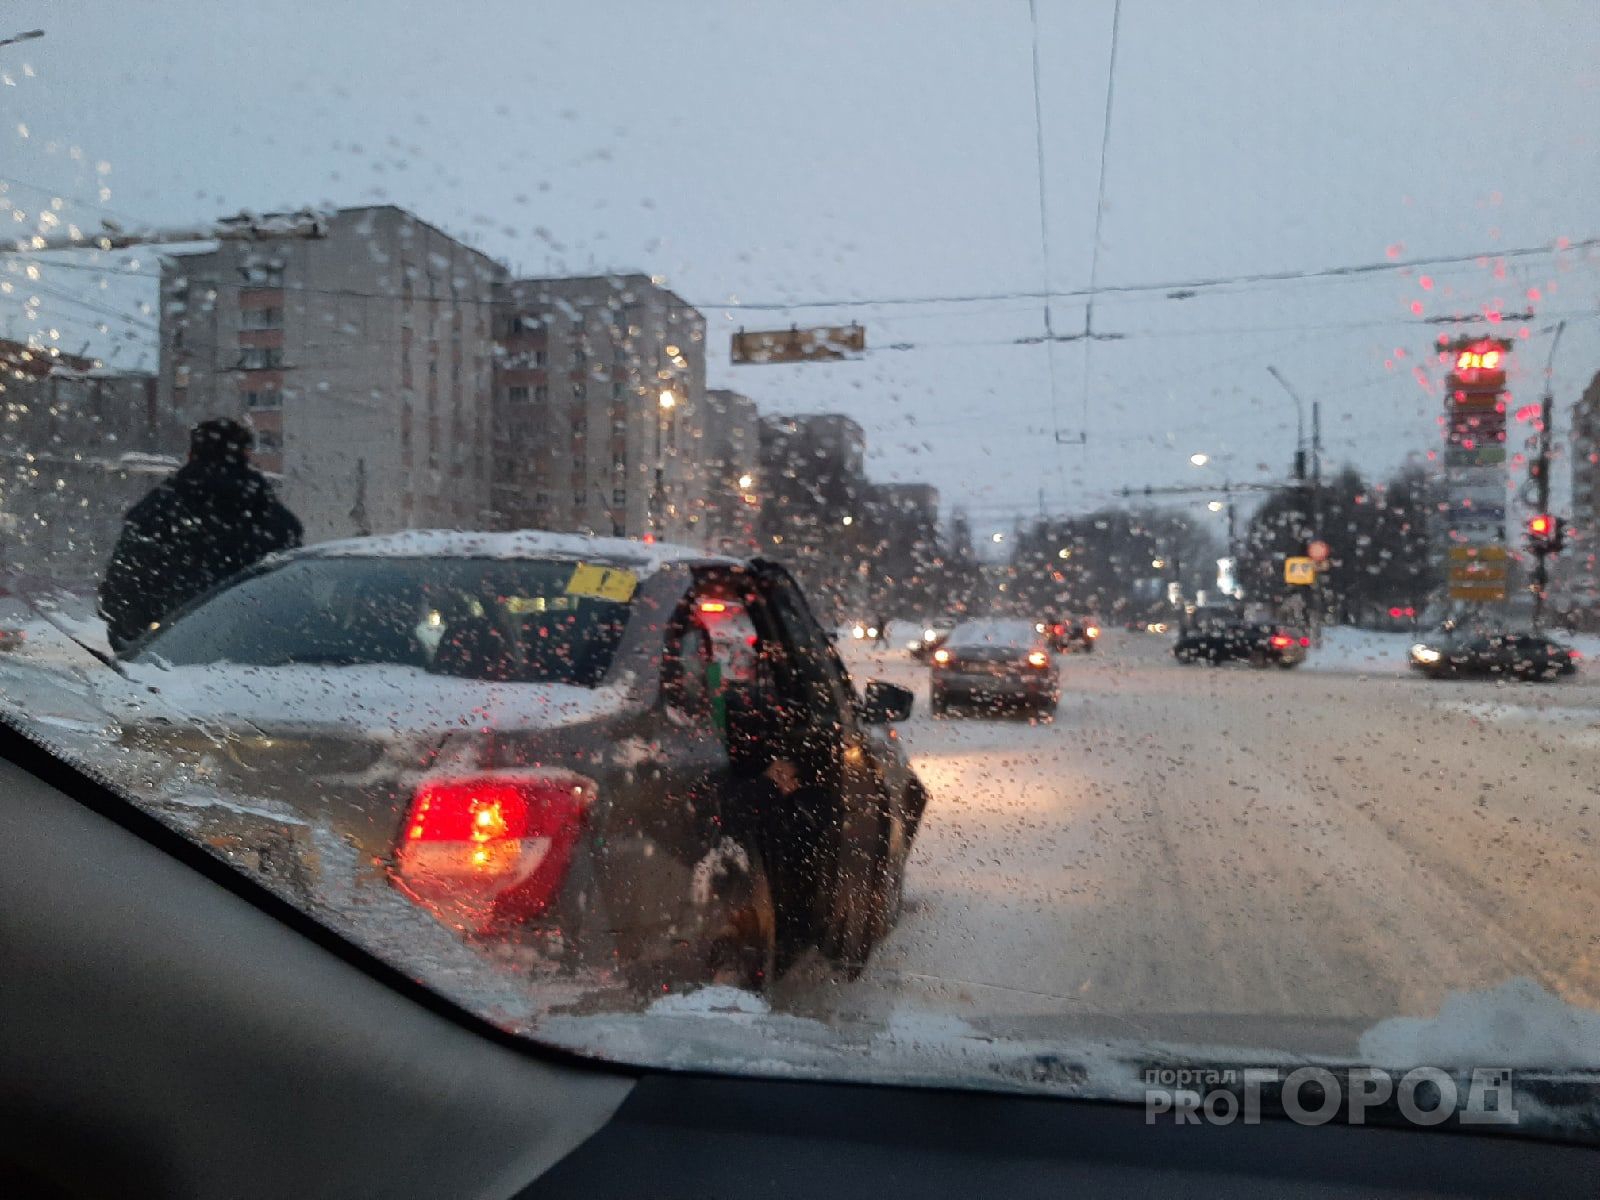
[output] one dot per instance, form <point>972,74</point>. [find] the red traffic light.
<point>1542,526</point>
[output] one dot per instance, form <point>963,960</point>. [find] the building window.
<point>517,395</point>
<point>619,496</point>
<point>540,358</point>
<point>261,318</point>
<point>455,372</point>
<point>263,274</point>
<point>579,499</point>
<point>541,392</point>
<point>616,389</point>
<point>619,463</point>
<point>260,358</point>
<point>580,392</point>
<point>580,425</point>
<point>263,398</point>
<point>542,499</point>
<point>269,440</point>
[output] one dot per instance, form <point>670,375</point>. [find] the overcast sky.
<point>779,153</point>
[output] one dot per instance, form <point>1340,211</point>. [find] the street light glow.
<point>1158,563</point>
<point>667,398</point>
<point>849,520</point>
<point>1215,506</point>
<point>999,537</point>
<point>745,481</point>
<point>1063,553</point>
<point>1199,460</point>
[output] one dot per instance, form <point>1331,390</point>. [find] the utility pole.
<point>1543,547</point>
<point>1316,517</point>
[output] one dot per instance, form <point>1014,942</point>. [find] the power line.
<point>1099,220</point>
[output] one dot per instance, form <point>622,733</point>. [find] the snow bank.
<point>1518,1024</point>
<point>1346,651</point>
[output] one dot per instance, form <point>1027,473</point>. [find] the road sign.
<point>1299,571</point>
<point>829,344</point>
<point>1317,552</point>
<point>1491,592</point>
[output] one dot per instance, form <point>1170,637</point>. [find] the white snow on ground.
<point>1518,1023</point>
<point>1346,651</point>
<point>716,1001</point>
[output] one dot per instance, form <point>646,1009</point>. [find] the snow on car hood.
<point>378,698</point>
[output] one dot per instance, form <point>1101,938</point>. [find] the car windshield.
<point>502,478</point>
<point>472,618</point>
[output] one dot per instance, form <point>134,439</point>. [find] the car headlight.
<point>859,631</point>
<point>1424,654</point>
<point>929,635</point>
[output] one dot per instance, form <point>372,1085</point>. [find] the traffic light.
<point>1546,534</point>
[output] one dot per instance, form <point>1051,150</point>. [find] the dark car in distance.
<point>554,740</point>
<point>1261,644</point>
<point>995,663</point>
<point>1503,655</point>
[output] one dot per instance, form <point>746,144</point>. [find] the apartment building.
<point>364,360</point>
<point>600,417</point>
<point>733,469</point>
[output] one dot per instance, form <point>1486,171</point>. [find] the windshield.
<point>504,483</point>
<point>477,619</point>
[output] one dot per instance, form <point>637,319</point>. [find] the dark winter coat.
<point>204,523</point>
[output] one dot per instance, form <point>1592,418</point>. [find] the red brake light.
<point>1060,629</point>
<point>1279,641</point>
<point>1395,612</point>
<point>1305,641</point>
<point>713,606</point>
<point>493,844</point>
<point>1038,658</point>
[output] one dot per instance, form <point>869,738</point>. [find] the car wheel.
<point>743,947</point>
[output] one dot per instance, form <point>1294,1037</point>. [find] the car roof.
<point>641,557</point>
<point>988,629</point>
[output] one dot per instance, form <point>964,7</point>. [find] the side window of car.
<point>685,665</point>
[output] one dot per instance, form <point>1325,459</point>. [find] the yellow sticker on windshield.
<point>604,583</point>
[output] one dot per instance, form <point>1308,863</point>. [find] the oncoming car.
<point>554,740</point>
<point>996,663</point>
<point>1527,656</point>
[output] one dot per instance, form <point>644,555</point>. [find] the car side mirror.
<point>885,703</point>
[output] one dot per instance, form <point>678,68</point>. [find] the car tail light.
<point>941,656</point>
<point>713,606</point>
<point>1280,642</point>
<point>1305,641</point>
<point>1093,631</point>
<point>492,845</point>
<point>1038,658</point>
<point>1060,629</point>
<point>1574,655</point>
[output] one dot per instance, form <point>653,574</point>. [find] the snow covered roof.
<point>525,543</point>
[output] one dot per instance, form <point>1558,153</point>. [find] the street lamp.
<point>745,481</point>
<point>1199,460</point>
<point>1215,506</point>
<point>668,400</point>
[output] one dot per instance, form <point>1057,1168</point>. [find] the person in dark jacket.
<point>212,518</point>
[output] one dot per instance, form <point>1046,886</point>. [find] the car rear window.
<point>528,621</point>
<point>994,633</point>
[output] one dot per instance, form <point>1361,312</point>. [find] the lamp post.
<point>666,402</point>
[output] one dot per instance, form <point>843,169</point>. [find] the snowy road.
<point>1189,851</point>
<point>1229,843</point>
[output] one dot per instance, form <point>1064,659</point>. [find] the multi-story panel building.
<point>600,409</point>
<point>1581,564</point>
<point>364,360</point>
<point>79,445</point>
<point>732,463</point>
